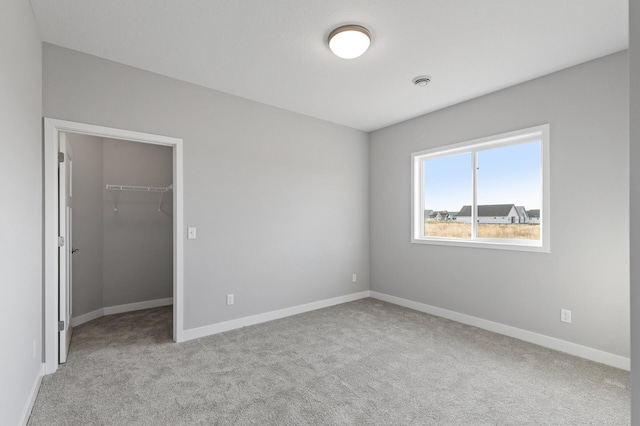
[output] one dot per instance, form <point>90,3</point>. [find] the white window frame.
<point>531,134</point>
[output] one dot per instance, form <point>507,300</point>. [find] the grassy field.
<point>434,228</point>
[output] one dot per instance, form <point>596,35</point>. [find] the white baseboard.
<point>81,319</point>
<point>518,333</point>
<point>26,411</point>
<point>118,309</point>
<point>221,327</point>
<point>147,304</point>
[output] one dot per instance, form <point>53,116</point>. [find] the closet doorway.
<point>126,192</point>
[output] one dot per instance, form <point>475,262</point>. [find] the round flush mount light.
<point>422,80</point>
<point>349,41</point>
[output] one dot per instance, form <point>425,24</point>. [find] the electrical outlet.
<point>354,278</point>
<point>565,315</point>
<point>230,299</point>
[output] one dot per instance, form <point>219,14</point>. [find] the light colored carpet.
<point>361,363</point>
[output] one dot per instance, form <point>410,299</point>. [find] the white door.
<point>65,198</point>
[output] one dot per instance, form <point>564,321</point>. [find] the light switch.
<point>191,233</point>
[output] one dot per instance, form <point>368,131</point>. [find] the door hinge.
<point>61,157</point>
<point>60,241</point>
<point>60,325</point>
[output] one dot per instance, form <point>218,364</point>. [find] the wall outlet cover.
<point>565,315</point>
<point>191,233</point>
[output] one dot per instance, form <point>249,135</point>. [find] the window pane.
<point>447,188</point>
<point>509,192</point>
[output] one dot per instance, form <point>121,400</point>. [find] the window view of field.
<point>435,228</point>
<point>507,188</point>
<point>511,231</point>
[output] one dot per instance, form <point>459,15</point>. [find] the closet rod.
<point>156,189</point>
<point>139,188</point>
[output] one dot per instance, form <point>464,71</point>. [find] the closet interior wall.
<point>125,255</point>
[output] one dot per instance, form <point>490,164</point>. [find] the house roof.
<point>534,213</point>
<point>522,211</point>
<point>488,210</point>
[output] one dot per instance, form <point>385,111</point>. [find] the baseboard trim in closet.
<point>118,309</point>
<point>89,316</point>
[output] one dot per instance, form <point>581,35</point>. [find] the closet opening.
<point>113,202</point>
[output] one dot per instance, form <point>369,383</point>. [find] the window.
<point>491,192</point>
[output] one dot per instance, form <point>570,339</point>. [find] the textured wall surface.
<point>21,213</point>
<point>280,200</point>
<point>125,256</point>
<point>138,239</point>
<point>587,270</point>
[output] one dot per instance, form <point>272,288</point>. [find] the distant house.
<point>436,215</point>
<point>534,215</point>
<point>433,215</point>
<point>492,213</point>
<point>522,213</point>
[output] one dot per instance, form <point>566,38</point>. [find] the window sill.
<point>514,245</point>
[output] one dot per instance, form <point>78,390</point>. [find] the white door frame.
<point>65,253</point>
<point>52,129</point>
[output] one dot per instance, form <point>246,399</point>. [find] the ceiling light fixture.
<point>349,41</point>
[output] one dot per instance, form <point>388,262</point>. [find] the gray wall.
<point>279,199</point>
<point>634,61</point>
<point>21,213</point>
<point>87,223</point>
<point>587,269</point>
<point>125,256</point>
<point>138,239</point>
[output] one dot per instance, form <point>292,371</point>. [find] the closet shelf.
<point>139,188</point>
<point>157,189</point>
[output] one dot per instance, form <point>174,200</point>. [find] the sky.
<point>506,175</point>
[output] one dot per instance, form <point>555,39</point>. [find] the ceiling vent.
<point>422,80</point>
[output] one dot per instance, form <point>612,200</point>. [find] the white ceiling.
<point>276,51</point>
